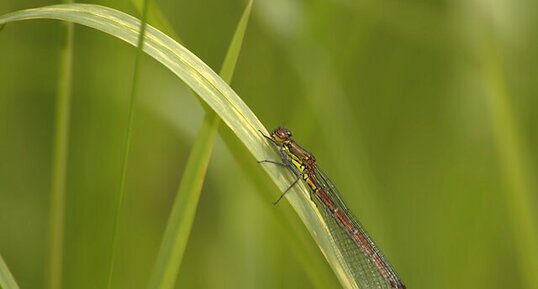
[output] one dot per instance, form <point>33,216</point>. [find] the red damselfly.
<point>361,256</point>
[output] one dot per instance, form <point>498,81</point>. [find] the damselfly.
<point>362,257</point>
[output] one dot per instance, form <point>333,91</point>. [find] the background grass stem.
<point>127,144</point>
<point>53,269</point>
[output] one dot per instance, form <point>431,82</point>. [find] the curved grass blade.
<point>301,246</point>
<point>6,279</point>
<point>179,224</point>
<point>212,89</point>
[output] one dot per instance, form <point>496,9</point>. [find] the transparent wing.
<point>356,259</point>
<point>355,249</point>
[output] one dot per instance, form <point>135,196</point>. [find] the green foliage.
<point>6,278</point>
<point>423,114</point>
<point>179,225</point>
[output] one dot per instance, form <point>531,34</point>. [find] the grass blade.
<point>212,89</point>
<point>230,60</point>
<point>156,17</point>
<point>514,169</point>
<point>179,224</point>
<point>300,245</point>
<point>127,143</point>
<point>53,274</point>
<point>6,279</point>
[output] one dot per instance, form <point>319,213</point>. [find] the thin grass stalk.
<point>518,195</point>
<point>127,143</point>
<point>53,269</point>
<point>179,225</point>
<point>514,169</point>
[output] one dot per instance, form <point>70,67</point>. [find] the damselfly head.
<point>281,134</point>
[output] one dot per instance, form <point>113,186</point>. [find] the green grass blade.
<point>213,90</point>
<point>515,171</point>
<point>53,271</point>
<point>300,245</point>
<point>6,279</point>
<point>230,60</point>
<point>156,17</point>
<point>179,225</point>
<point>127,143</point>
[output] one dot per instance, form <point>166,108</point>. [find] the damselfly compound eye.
<point>281,134</point>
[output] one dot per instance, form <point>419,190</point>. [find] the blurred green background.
<point>424,113</point>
